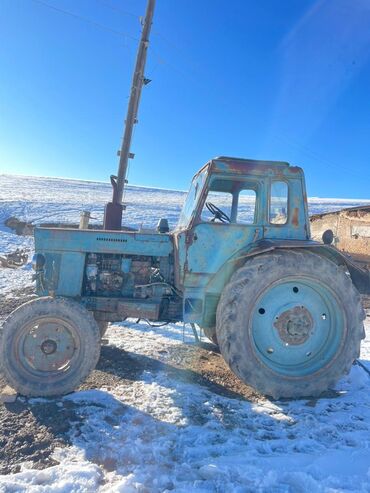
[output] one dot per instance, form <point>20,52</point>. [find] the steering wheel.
<point>217,213</point>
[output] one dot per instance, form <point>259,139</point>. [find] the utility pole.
<point>113,210</point>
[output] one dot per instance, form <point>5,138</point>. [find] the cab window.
<point>230,202</point>
<point>247,207</point>
<point>217,207</point>
<point>191,200</point>
<point>278,202</point>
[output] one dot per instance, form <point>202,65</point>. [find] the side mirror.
<point>328,237</point>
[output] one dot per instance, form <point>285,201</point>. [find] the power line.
<point>315,155</point>
<point>161,60</point>
<point>89,21</point>
<point>118,9</point>
<point>168,42</point>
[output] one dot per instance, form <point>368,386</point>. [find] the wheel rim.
<point>47,348</point>
<point>297,327</point>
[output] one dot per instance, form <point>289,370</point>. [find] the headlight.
<point>38,261</point>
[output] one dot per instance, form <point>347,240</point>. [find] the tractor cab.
<point>244,192</point>
<point>232,205</point>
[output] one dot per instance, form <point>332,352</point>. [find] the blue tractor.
<point>285,310</point>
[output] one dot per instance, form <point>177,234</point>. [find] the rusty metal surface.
<point>294,325</point>
<point>233,165</point>
<point>295,216</point>
<point>49,345</point>
<point>237,166</point>
<point>113,216</point>
<point>139,309</point>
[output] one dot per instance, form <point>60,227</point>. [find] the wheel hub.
<point>294,325</point>
<point>49,346</point>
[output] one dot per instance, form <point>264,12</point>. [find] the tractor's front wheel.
<point>103,327</point>
<point>290,323</point>
<point>210,333</point>
<point>48,347</point>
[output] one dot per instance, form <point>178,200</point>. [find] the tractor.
<point>285,310</point>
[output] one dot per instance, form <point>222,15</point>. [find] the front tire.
<point>210,333</point>
<point>103,327</point>
<point>48,347</point>
<point>290,323</point>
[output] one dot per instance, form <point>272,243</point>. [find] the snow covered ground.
<point>158,433</point>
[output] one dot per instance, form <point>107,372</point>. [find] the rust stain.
<point>278,173</point>
<point>241,168</point>
<point>305,196</point>
<point>295,216</point>
<point>295,169</point>
<point>190,237</point>
<point>245,168</point>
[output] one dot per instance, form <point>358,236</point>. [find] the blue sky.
<point>271,79</point>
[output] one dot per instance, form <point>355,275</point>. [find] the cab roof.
<point>238,166</point>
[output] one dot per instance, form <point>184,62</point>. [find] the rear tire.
<point>48,347</point>
<point>290,323</point>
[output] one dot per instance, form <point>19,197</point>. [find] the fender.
<point>360,277</point>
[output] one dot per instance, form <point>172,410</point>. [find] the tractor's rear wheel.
<point>48,347</point>
<point>290,323</point>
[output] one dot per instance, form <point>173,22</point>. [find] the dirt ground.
<point>30,430</point>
